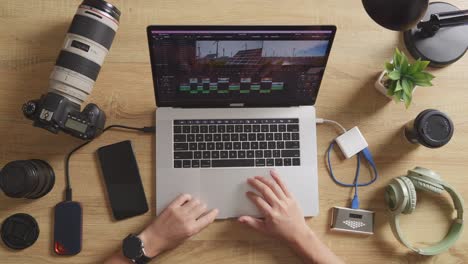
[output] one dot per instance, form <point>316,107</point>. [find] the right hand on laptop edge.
<point>284,219</point>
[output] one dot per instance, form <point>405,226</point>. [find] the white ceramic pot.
<point>380,87</point>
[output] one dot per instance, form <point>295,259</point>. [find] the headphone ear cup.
<point>411,204</point>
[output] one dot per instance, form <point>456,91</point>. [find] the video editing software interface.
<point>254,67</point>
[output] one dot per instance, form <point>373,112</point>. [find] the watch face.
<point>132,247</point>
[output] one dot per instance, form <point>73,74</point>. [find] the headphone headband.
<point>451,237</point>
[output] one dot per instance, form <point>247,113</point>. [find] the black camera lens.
<point>30,179</point>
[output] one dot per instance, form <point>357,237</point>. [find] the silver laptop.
<point>235,102</point>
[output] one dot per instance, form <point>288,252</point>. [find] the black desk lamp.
<point>437,32</point>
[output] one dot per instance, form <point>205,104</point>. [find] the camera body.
<point>75,72</point>
<point>55,112</point>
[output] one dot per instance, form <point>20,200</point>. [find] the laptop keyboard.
<point>236,143</point>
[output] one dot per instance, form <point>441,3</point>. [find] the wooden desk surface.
<point>32,33</point>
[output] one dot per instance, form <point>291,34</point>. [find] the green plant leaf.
<point>422,79</point>
<point>398,96</point>
<point>398,86</point>
<point>389,67</point>
<point>396,57</point>
<point>390,92</point>
<point>403,64</point>
<point>422,65</point>
<point>407,100</point>
<point>394,75</point>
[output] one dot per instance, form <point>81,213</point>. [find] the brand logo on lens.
<point>86,45</point>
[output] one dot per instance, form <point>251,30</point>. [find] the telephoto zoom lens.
<point>30,179</point>
<point>86,45</point>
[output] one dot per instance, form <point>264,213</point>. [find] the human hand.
<point>183,218</point>
<point>283,216</point>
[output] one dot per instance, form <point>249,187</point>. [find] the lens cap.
<point>19,231</point>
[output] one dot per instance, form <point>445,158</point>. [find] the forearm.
<point>117,258</point>
<point>312,250</point>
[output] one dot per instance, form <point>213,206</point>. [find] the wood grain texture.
<point>32,32</point>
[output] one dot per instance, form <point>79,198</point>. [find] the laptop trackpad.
<point>225,189</point>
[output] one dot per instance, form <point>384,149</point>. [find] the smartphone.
<point>122,179</point>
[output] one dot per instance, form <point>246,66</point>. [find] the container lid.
<point>19,231</point>
<point>435,128</point>
<point>13,179</point>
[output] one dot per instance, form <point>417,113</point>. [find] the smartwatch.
<point>134,250</point>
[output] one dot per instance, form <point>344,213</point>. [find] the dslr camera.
<point>86,45</point>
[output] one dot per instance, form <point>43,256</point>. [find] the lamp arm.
<point>444,19</point>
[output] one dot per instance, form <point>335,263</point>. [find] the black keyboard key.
<point>269,136</point>
<point>205,163</point>
<point>241,154</point>
<point>278,136</point>
<point>232,154</point>
<point>271,145</point>
<point>265,128</point>
<point>267,153</point>
<point>250,154</point>
<point>228,145</point>
<point>193,146</point>
<point>253,145</point>
<point>292,144</point>
<point>230,128</point>
<point>186,164</point>
<point>247,128</point>
<point>212,129</point>
<point>270,162</point>
<point>278,162</point>
<point>296,162</point>
<point>199,137</point>
<point>226,137</point>
<point>273,128</point>
<point>280,145</point>
<point>206,154</point>
<point>293,128</point>
<point>180,138</point>
<point>233,163</point>
<point>243,137</point>
<point>210,146</point>
<point>195,164</point>
<point>239,128</point>
<point>245,145</point>
<point>177,130</point>
<point>295,136</point>
<point>287,162</point>
<point>256,128</point>
<point>190,138</point>
<point>260,162</point>
<point>217,137</point>
<point>195,129</point>
<point>183,155</point>
<point>252,137</point>
<point>177,164</point>
<point>181,146</point>
<point>234,137</point>
<point>276,153</point>
<point>282,128</point>
<point>219,146</point>
<point>203,129</point>
<point>237,145</point>
<point>260,136</point>
<point>290,153</point>
<point>286,136</point>
<point>259,153</point>
<point>224,154</point>
<point>208,137</point>
<point>221,128</point>
<point>201,146</point>
<point>263,145</point>
<point>197,155</point>
<point>215,154</point>
<point>186,129</point>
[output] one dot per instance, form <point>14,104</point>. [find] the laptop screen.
<point>218,66</point>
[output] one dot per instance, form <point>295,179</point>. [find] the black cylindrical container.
<point>30,179</point>
<point>431,128</point>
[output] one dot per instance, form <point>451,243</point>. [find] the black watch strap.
<point>143,260</point>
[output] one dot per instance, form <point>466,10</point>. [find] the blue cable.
<point>368,156</point>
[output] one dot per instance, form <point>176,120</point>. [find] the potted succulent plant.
<point>400,78</point>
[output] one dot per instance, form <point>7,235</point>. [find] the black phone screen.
<point>122,178</point>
